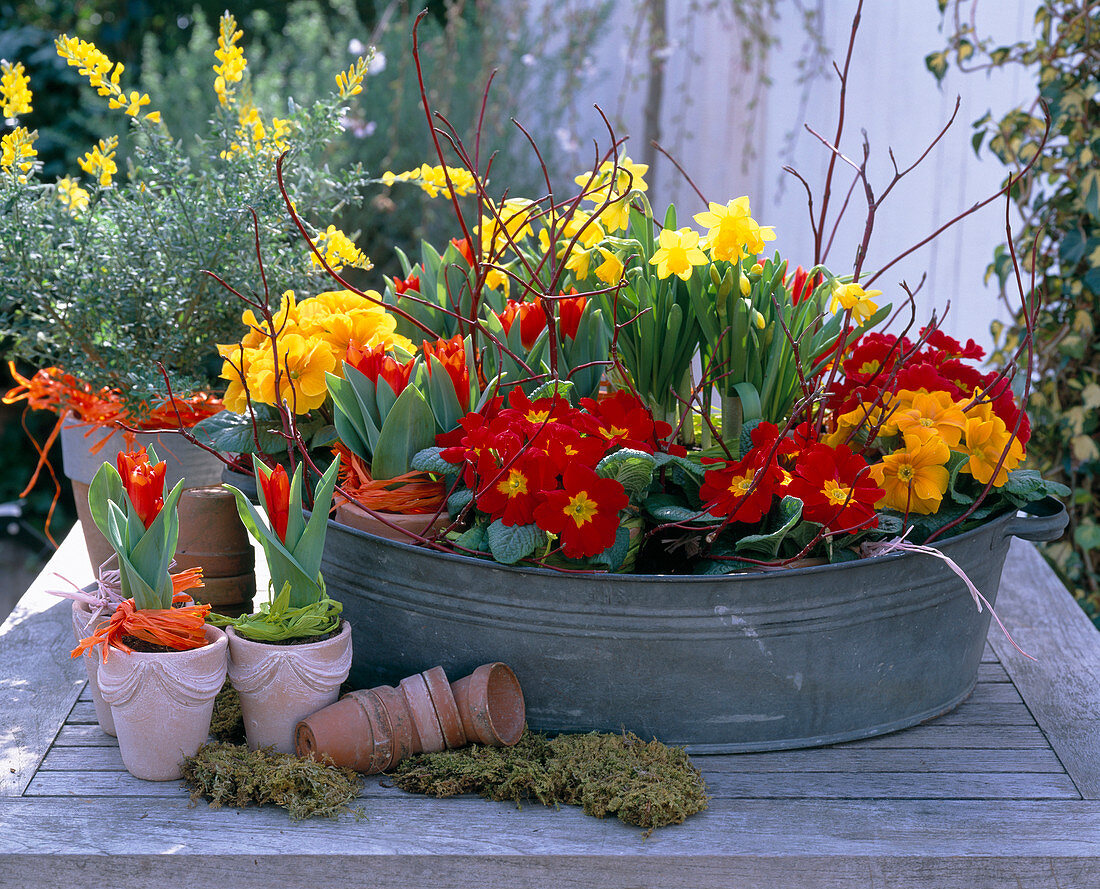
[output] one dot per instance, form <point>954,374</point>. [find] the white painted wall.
<point>706,123</point>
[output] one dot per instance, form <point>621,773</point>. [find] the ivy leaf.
<point>936,63</point>
<point>510,543</point>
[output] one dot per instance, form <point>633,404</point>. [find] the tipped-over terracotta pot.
<point>82,629</point>
<point>162,703</point>
<point>371,731</point>
<point>279,685</point>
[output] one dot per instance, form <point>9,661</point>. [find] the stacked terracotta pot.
<point>373,730</point>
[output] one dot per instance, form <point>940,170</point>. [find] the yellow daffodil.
<point>495,279</point>
<point>853,298</point>
<point>628,175</point>
<point>732,233</point>
<point>678,253</point>
<point>985,440</point>
<point>610,271</point>
<point>15,93</point>
<point>72,195</point>
<point>510,224</point>
<point>615,216</point>
<point>931,414</point>
<point>914,478</point>
<point>578,263</point>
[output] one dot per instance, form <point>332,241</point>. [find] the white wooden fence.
<point>706,122</point>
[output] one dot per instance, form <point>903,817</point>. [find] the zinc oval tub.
<point>721,664</point>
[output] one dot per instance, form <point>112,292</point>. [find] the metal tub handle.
<point>1045,520</point>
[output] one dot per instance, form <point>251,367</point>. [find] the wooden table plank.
<point>38,680</point>
<point>458,843</point>
<point>1061,686</point>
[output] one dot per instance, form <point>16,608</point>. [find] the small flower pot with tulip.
<point>160,664</point>
<point>288,660</point>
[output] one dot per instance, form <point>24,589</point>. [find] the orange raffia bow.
<point>180,628</point>
<point>413,493</point>
<point>52,390</point>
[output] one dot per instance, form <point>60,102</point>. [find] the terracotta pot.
<point>162,703</point>
<point>211,532</point>
<point>82,628</point>
<point>212,536</point>
<point>371,731</point>
<point>356,517</point>
<point>280,685</point>
<point>490,703</point>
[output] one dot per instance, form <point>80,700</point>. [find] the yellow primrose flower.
<point>732,232</point>
<point>984,442</point>
<point>341,317</point>
<point>100,161</point>
<point>914,478</point>
<point>853,298</point>
<point>931,414</point>
<point>865,415</point>
<point>15,94</point>
<point>231,61</point>
<point>17,152</point>
<point>678,253</point>
<point>339,250</point>
<point>303,363</point>
<point>610,271</point>
<point>72,195</point>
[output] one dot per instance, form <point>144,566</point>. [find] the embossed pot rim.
<point>237,638</point>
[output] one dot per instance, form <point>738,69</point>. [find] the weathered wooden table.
<point>1003,792</point>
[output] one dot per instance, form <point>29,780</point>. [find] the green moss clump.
<point>233,775</point>
<point>646,784</point>
<point>227,723</point>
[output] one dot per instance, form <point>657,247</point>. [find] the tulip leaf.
<point>409,429</point>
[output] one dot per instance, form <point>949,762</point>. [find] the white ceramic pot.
<point>162,703</point>
<point>280,685</point>
<point>83,627</point>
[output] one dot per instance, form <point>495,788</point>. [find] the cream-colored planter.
<point>162,703</point>
<point>82,614</point>
<point>280,685</point>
